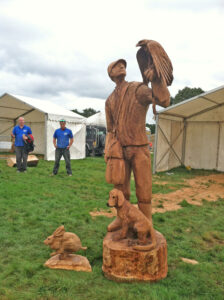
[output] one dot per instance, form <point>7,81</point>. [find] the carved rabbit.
<point>64,243</point>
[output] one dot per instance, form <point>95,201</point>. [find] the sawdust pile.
<point>200,188</point>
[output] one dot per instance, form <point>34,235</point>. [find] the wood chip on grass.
<point>189,261</point>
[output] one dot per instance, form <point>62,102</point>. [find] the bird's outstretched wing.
<point>154,62</point>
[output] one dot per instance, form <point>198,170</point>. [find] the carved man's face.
<point>118,70</point>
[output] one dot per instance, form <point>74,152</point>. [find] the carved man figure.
<point>126,110</point>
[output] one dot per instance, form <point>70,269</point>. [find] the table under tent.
<point>43,118</point>
<point>191,133</point>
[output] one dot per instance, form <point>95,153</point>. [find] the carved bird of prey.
<point>155,67</point>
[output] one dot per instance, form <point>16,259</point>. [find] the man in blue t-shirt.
<point>62,140</point>
<point>20,133</point>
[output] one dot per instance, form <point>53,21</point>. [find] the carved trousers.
<point>137,158</point>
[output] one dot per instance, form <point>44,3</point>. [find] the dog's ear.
<point>121,198</point>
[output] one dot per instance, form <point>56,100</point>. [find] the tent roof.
<point>196,105</point>
<point>98,119</point>
<point>9,109</point>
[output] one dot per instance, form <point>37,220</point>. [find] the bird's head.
<point>141,43</point>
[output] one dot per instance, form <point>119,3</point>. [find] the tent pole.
<point>206,98</point>
<point>173,115</point>
<point>155,145</point>
<point>184,143</point>
<point>13,107</point>
<point>3,118</point>
<point>45,136</point>
<point>6,129</point>
<point>218,145</point>
<point>205,110</point>
<point>170,145</point>
<point>26,113</point>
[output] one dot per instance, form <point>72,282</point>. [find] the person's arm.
<point>70,143</point>
<point>70,139</point>
<point>55,139</point>
<point>13,134</point>
<point>109,117</point>
<point>54,142</point>
<point>25,136</point>
<point>145,97</point>
<point>144,94</point>
<point>110,125</point>
<point>29,131</point>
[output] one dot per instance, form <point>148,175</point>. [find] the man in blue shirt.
<point>20,133</point>
<point>62,140</point>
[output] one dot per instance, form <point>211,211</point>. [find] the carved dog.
<point>63,242</point>
<point>128,216</point>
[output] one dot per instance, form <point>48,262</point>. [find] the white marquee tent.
<point>191,133</point>
<point>42,116</point>
<point>98,119</point>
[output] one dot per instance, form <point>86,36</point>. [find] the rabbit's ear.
<point>59,231</point>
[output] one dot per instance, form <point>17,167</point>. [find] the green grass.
<point>32,205</point>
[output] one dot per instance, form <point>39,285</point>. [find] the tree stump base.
<point>73,262</point>
<point>122,263</point>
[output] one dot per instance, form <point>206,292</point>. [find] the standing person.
<point>62,140</point>
<point>126,110</point>
<point>20,133</point>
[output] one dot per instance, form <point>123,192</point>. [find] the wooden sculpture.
<point>131,218</point>
<point>65,244</point>
<point>127,148</point>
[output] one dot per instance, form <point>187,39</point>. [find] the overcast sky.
<point>59,50</point>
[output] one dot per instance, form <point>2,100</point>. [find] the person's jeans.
<point>59,152</point>
<point>21,158</point>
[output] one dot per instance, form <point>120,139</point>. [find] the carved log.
<point>73,262</point>
<point>32,161</point>
<point>124,264</point>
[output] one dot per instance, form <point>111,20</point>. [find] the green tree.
<point>87,112</point>
<point>185,94</point>
<point>152,127</point>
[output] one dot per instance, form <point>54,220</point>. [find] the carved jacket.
<point>126,115</point>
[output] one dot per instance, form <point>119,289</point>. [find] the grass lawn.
<point>33,205</point>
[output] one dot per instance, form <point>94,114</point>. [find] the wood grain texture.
<point>124,264</point>
<point>72,262</point>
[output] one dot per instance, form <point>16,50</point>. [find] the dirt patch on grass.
<point>110,213</point>
<point>200,188</point>
<point>160,182</point>
<point>209,188</point>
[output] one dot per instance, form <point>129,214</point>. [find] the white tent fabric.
<point>191,133</point>
<point>99,119</point>
<point>42,116</point>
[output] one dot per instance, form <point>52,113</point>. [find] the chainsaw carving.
<point>65,244</point>
<point>127,150</point>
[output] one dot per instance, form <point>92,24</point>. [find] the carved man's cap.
<point>113,64</point>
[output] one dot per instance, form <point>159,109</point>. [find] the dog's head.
<point>116,198</point>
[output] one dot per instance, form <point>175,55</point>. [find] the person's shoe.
<point>18,171</point>
<point>24,171</point>
<point>52,174</point>
<point>69,174</point>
